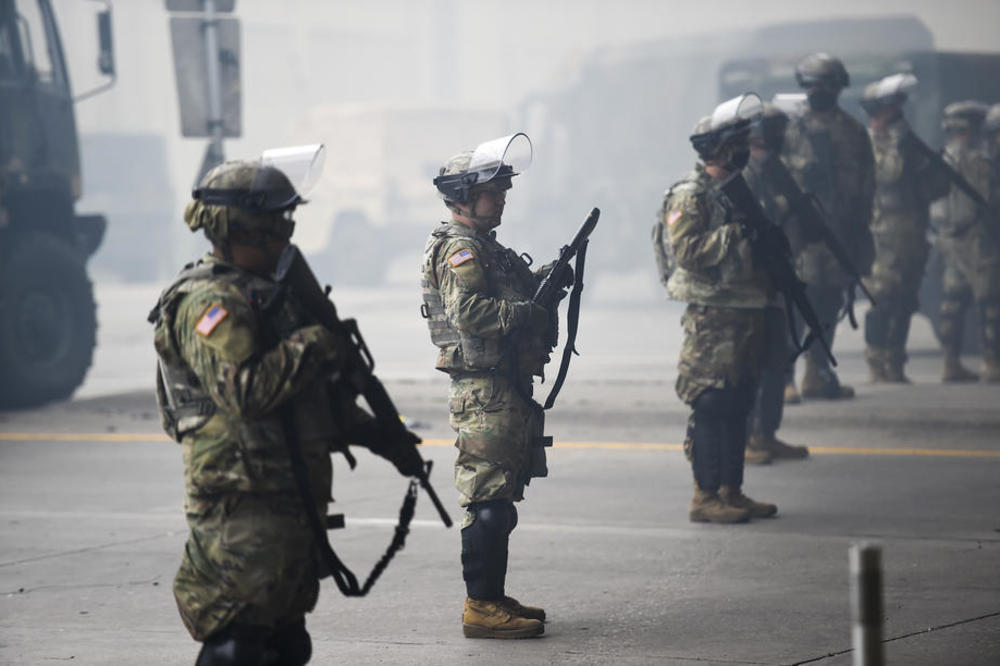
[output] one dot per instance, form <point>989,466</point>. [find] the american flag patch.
<point>460,257</point>
<point>212,318</point>
<point>673,216</point>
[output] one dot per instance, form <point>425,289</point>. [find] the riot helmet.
<point>992,123</point>
<point>887,93</point>
<point>821,70</point>
<point>724,136</point>
<point>965,116</point>
<point>248,195</point>
<point>823,77</point>
<point>488,168</point>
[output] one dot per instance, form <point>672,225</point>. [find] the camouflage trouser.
<point>895,284</point>
<point>248,559</point>
<point>776,371</point>
<point>722,347</point>
<point>971,272</point>
<point>499,439</point>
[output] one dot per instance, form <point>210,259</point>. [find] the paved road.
<point>90,497</point>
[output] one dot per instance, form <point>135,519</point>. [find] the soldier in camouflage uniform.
<point>766,140</point>
<point>906,183</point>
<point>492,339</point>
<point>829,154</point>
<point>970,252</point>
<point>234,376</point>
<point>715,273</point>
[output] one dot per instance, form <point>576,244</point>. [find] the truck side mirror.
<point>106,59</point>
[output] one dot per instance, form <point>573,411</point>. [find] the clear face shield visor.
<point>730,121</point>
<point>496,159</point>
<point>302,165</point>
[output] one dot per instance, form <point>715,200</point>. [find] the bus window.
<point>34,45</point>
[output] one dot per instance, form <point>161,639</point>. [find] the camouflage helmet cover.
<point>965,116</point>
<point>240,195</point>
<point>821,70</point>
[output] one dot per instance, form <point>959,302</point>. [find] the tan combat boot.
<point>489,619</point>
<point>955,372</point>
<point>515,607</point>
<point>815,386</point>
<point>991,371</point>
<point>707,507</point>
<point>756,452</point>
<point>733,497</point>
<point>780,449</point>
<point>792,396</point>
<point>877,365</point>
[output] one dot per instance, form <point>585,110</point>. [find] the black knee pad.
<point>234,646</point>
<point>292,644</point>
<point>494,516</point>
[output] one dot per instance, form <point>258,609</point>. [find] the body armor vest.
<point>184,404</point>
<point>507,277</point>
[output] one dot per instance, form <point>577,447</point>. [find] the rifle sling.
<point>345,579</point>
<point>572,324</point>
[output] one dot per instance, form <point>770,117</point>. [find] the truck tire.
<point>48,321</point>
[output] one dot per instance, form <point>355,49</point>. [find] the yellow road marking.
<point>596,446</point>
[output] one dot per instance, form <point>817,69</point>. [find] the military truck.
<point>47,312</point>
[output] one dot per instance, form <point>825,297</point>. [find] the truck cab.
<point>47,310</point>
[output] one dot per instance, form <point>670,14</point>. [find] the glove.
<point>403,455</point>
<point>562,281</point>
<point>531,316</point>
<point>329,349</point>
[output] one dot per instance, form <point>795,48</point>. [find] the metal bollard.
<point>866,604</point>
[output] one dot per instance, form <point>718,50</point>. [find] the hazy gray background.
<point>305,61</point>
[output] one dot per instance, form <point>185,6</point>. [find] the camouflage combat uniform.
<point>971,257</point>
<point>829,154</point>
<point>226,373</point>
<point>723,324</point>
<point>476,295</point>
<point>906,183</point>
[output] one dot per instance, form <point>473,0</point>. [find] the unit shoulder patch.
<point>211,319</point>
<point>460,257</point>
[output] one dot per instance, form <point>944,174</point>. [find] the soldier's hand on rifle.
<point>563,281</point>
<point>530,316</point>
<point>403,455</point>
<point>330,349</point>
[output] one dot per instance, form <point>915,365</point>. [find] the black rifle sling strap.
<point>572,324</point>
<point>345,579</point>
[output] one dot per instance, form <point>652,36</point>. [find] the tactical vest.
<point>665,261</point>
<point>507,277</point>
<point>735,281</point>
<point>184,404</point>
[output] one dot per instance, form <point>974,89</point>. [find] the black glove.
<point>404,456</point>
<point>563,280</point>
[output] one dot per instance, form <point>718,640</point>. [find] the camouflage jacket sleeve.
<point>466,297</point>
<point>696,246</point>
<point>218,334</point>
<point>866,173</point>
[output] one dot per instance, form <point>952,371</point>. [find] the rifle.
<point>810,214</point>
<point>958,180</point>
<point>357,373</point>
<point>549,292</point>
<point>773,252</point>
